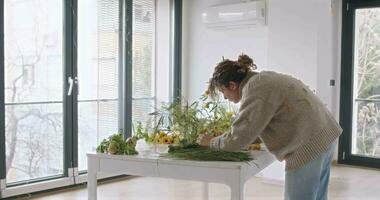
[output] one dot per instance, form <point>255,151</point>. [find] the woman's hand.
<point>204,139</point>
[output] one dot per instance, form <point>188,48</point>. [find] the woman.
<point>287,116</point>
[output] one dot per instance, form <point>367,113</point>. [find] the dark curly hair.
<point>229,70</point>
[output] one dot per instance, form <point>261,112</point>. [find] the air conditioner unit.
<point>236,15</point>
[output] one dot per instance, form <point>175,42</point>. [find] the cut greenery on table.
<point>115,144</point>
<point>196,152</point>
<point>179,124</point>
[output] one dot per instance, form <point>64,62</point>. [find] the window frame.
<point>68,13</point>
<point>177,48</point>
<point>2,107</point>
<point>127,12</point>
<point>345,155</point>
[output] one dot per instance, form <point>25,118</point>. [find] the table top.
<point>259,158</point>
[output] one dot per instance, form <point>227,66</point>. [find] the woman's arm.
<point>255,115</point>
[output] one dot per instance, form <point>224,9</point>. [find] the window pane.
<point>98,45</point>
<point>33,80</point>
<point>367,136</point>
<point>144,18</point>
<point>163,58</point>
<point>366,110</point>
<point>34,141</point>
<point>96,121</point>
<point>141,109</point>
<point>33,50</point>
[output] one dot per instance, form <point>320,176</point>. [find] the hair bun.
<point>246,61</point>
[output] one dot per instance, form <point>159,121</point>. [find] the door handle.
<point>71,85</point>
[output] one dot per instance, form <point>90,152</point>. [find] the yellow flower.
<point>167,140</point>
<point>229,114</point>
<point>255,146</point>
<point>217,133</point>
<point>204,130</point>
<point>206,105</point>
<point>161,134</point>
<point>156,140</point>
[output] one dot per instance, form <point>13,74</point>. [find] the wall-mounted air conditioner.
<point>236,15</point>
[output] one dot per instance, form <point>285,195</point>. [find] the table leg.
<point>92,170</point>
<point>204,190</point>
<point>237,191</point>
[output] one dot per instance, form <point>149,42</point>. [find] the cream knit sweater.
<point>291,121</point>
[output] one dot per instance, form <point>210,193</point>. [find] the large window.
<point>360,98</point>
<point>73,73</point>
<point>366,134</point>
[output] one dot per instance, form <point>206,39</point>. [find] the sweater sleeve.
<point>254,115</point>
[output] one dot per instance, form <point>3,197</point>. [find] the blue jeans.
<point>311,181</point>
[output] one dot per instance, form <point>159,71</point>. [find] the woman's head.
<point>228,75</point>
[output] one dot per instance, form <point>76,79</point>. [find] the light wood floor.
<point>346,183</point>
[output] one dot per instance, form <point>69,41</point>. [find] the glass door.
<point>366,131</point>
<point>33,88</point>
<point>361,85</point>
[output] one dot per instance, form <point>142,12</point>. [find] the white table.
<point>233,174</point>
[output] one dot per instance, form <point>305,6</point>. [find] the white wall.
<point>292,39</point>
<point>300,39</point>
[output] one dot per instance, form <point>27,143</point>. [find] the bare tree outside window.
<point>366,139</point>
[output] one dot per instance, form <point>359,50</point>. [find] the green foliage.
<point>191,120</point>
<point>181,124</point>
<point>115,144</point>
<point>141,132</point>
<point>218,119</point>
<point>103,146</point>
<point>196,152</point>
<point>130,149</point>
<point>183,119</point>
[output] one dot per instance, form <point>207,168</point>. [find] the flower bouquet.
<point>189,121</point>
